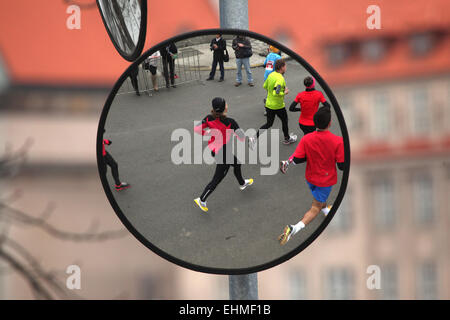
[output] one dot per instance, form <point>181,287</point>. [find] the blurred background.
<point>393,85</point>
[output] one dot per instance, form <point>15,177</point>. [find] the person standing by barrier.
<point>217,46</point>
<point>151,64</point>
<point>134,79</point>
<point>243,51</point>
<point>168,55</point>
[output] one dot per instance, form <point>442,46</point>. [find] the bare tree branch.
<point>43,284</point>
<point>15,215</point>
<point>38,290</point>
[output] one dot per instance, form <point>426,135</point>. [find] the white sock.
<point>325,210</point>
<point>296,228</point>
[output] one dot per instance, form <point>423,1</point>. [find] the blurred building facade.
<point>393,85</point>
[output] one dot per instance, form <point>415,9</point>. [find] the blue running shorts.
<point>319,193</point>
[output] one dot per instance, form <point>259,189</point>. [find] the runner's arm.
<point>296,160</point>
<point>202,127</point>
<point>292,107</point>
<point>237,131</point>
<point>340,157</point>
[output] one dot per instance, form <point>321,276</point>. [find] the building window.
<point>422,194</point>
<point>339,284</point>
<point>297,285</point>
<point>350,114</point>
<point>381,115</point>
<point>426,288</point>
<point>421,43</point>
<point>283,36</point>
<point>389,282</point>
<point>341,221</point>
<point>373,50</point>
<point>421,118</point>
<point>383,203</point>
<point>338,53</point>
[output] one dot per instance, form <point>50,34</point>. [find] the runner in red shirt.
<point>321,150</point>
<point>309,104</point>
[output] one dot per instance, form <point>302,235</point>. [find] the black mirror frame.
<point>199,268</point>
<point>142,33</point>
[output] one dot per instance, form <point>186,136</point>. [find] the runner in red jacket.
<point>309,104</point>
<point>224,128</point>
<point>321,150</point>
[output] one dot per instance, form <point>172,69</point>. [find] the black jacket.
<point>171,48</point>
<point>242,52</point>
<point>221,44</point>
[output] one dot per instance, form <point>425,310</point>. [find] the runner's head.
<point>322,118</point>
<point>274,50</point>
<point>309,82</point>
<point>280,66</point>
<point>219,107</point>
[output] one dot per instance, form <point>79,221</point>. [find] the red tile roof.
<point>313,24</point>
<point>38,48</point>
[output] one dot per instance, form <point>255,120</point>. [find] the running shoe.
<point>292,139</point>
<point>122,185</point>
<point>251,84</point>
<point>326,210</point>
<point>201,205</point>
<point>284,166</point>
<point>286,235</point>
<point>237,84</point>
<point>252,142</point>
<point>248,182</point>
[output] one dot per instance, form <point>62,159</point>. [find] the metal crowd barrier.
<point>187,69</point>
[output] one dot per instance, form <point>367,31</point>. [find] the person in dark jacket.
<point>243,51</point>
<point>168,55</point>
<point>134,79</point>
<point>217,46</point>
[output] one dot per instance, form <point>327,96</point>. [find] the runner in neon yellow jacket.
<point>276,90</point>
<point>275,86</point>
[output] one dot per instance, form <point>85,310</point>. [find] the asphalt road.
<point>241,228</point>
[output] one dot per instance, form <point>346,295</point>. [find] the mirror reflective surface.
<point>125,21</point>
<point>149,139</point>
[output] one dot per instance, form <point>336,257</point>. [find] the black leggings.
<point>109,160</point>
<point>134,82</point>
<point>282,114</point>
<point>219,174</point>
<point>307,129</point>
<point>169,63</point>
